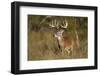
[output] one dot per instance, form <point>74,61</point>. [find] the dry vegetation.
<point>42,45</point>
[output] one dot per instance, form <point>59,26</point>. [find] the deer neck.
<point>60,38</point>
<point>60,41</point>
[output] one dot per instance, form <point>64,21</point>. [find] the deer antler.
<point>54,23</point>
<point>64,24</point>
<point>57,24</point>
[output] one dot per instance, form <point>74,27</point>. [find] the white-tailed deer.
<point>65,42</point>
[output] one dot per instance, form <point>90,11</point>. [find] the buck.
<point>66,43</point>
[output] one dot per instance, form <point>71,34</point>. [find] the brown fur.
<point>66,44</point>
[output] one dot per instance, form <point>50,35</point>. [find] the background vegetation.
<point>42,45</point>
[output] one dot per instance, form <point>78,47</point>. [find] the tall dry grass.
<point>42,45</point>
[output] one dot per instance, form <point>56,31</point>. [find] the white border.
<point>26,65</point>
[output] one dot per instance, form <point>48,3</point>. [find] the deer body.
<point>66,43</point>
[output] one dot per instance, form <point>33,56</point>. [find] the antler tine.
<point>65,24</point>
<point>51,24</point>
<point>54,23</point>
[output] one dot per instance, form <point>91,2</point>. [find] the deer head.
<point>59,26</point>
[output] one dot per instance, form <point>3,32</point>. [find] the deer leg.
<point>62,51</point>
<point>59,47</point>
<point>69,51</point>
